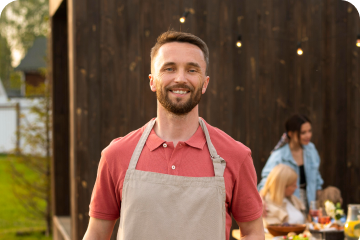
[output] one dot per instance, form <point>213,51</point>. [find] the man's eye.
<point>169,69</point>
<point>192,70</point>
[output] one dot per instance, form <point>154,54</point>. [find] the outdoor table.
<point>328,235</point>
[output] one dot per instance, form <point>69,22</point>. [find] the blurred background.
<point>74,76</point>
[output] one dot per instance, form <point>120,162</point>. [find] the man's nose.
<point>180,76</point>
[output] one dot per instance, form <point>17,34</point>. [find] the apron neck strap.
<point>218,162</point>
<point>140,145</point>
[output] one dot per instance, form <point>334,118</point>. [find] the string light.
<point>183,17</point>
<point>239,43</point>
<point>299,50</point>
<point>251,36</point>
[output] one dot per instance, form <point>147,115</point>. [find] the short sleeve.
<point>246,202</point>
<point>104,204</point>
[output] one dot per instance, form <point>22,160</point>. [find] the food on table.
<point>324,219</point>
<point>319,226</point>
<point>293,236</point>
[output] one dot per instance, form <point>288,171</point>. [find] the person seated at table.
<point>281,205</point>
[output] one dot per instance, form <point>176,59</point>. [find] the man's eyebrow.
<point>194,64</point>
<point>168,64</point>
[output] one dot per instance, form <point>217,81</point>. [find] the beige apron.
<point>159,206</point>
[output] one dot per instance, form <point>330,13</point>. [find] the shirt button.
<point>173,167</point>
<point>164,145</point>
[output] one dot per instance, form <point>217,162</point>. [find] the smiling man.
<point>177,177</point>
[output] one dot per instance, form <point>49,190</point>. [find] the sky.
<point>16,57</point>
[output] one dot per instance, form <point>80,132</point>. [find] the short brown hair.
<point>174,36</point>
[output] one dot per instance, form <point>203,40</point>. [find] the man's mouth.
<point>179,91</point>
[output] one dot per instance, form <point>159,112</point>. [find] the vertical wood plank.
<point>59,78</point>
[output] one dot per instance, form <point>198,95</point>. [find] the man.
<point>177,177</point>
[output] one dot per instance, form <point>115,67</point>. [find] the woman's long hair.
<point>292,124</point>
<point>279,178</point>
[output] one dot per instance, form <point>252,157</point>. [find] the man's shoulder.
<point>225,143</point>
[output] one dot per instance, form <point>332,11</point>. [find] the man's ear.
<point>152,83</point>
<point>205,85</point>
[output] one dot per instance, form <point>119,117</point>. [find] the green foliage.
<point>31,235</point>
<point>15,80</point>
<point>13,216</point>
<point>21,22</point>
<point>5,61</point>
<point>24,20</point>
<point>33,192</point>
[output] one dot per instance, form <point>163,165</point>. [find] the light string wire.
<point>253,36</point>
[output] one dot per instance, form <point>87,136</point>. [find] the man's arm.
<point>99,229</point>
<point>253,230</point>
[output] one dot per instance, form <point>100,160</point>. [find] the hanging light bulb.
<point>358,40</point>
<point>239,43</point>
<point>299,50</point>
<point>183,17</point>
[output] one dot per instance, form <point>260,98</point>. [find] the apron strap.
<point>218,162</point>
<point>140,145</point>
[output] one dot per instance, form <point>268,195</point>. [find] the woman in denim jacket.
<point>296,151</point>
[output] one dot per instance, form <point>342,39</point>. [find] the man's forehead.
<point>177,49</point>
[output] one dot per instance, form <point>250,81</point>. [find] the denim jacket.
<point>311,166</point>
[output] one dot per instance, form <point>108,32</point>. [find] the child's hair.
<point>330,193</point>
<point>279,178</point>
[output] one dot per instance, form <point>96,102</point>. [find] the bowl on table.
<point>280,230</point>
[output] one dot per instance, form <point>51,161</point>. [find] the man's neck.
<point>175,128</point>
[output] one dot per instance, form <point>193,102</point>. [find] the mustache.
<point>180,86</point>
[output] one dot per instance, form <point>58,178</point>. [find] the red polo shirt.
<point>190,158</point>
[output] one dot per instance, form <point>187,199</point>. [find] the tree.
<point>34,192</point>
<point>23,21</point>
<point>5,61</point>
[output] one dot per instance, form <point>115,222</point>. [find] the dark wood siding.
<point>59,78</point>
<point>252,89</point>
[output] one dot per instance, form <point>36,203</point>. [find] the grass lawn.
<point>13,216</point>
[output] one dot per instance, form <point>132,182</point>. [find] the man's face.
<point>178,77</point>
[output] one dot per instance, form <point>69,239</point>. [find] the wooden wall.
<point>59,78</point>
<point>252,90</point>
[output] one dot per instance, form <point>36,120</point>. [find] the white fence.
<point>12,115</point>
<point>9,123</point>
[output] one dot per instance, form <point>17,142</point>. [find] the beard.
<point>176,107</point>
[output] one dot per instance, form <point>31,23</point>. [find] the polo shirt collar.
<point>197,140</point>
<point>154,141</point>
